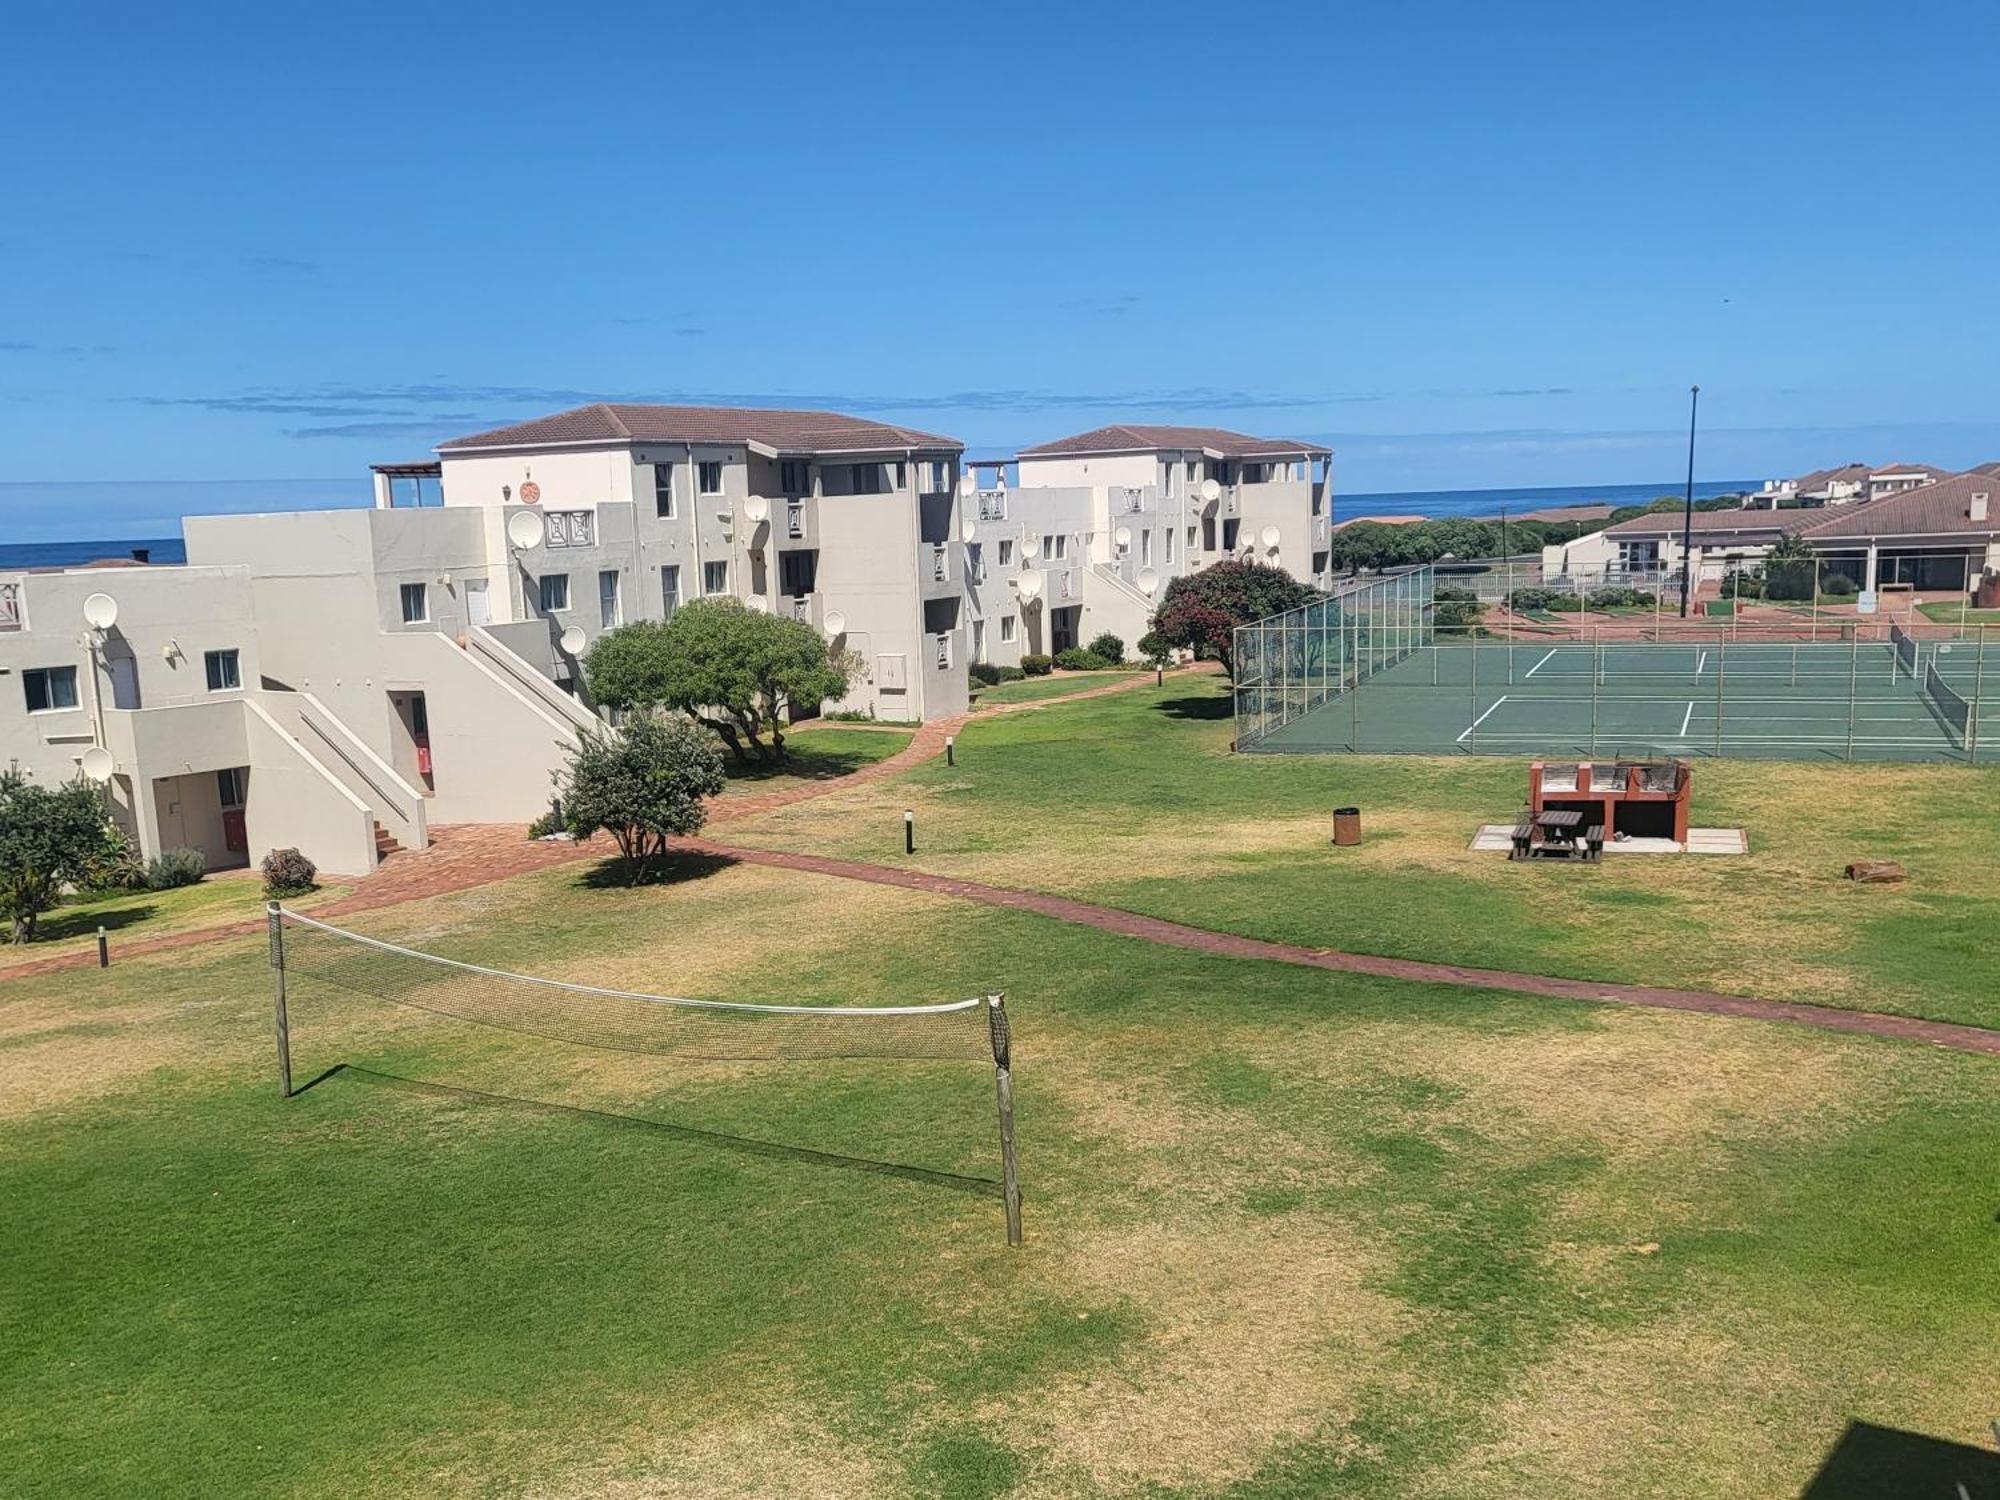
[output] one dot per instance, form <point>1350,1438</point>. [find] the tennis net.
<point>1906,649</point>
<point>1950,704</point>
<point>625,1020</point>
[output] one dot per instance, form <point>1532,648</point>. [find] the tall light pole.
<point>1687,516</point>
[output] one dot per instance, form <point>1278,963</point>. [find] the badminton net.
<point>625,1020</point>
<point>1951,704</point>
<point>1906,648</point>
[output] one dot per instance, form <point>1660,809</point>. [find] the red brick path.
<point>1201,940</point>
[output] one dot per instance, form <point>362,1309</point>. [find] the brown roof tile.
<point>1749,523</point>
<point>1940,509</point>
<point>627,422</point>
<point>1144,437</point>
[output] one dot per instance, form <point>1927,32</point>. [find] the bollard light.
<point>103,950</point>
<point>950,750</point>
<point>909,830</point>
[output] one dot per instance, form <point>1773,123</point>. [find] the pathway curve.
<point>464,855</point>
<point>1228,945</point>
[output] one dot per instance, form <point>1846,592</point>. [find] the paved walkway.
<point>1228,945</point>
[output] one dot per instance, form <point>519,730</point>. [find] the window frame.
<point>703,467</point>
<point>49,676</point>
<point>213,663</point>
<point>423,598</point>
<point>612,618</point>
<point>1007,630</point>
<point>669,602</point>
<point>542,605</point>
<point>707,572</point>
<point>664,506</point>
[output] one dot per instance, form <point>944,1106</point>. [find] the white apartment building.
<point>1099,523</point>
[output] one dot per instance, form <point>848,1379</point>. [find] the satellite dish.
<point>836,622</point>
<point>1030,585</point>
<point>1274,557</point>
<point>1269,536</point>
<point>967,484</point>
<point>1124,537</point>
<point>96,762</point>
<point>573,640</point>
<point>759,605</point>
<point>526,528</point>
<point>100,611</point>
<point>1031,547</point>
<point>1149,580</point>
<point>1210,490</point>
<point>968,529</point>
<point>757,510</point>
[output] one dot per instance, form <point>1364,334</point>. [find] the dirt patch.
<point>766,1456</point>
<point>1256,1332</point>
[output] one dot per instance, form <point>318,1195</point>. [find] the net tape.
<point>1950,703</point>
<point>626,1020</point>
<point>1906,648</point>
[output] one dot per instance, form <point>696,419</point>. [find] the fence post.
<point>1853,681</point>
<point>1003,1093</point>
<point>1978,691</point>
<point>275,917</point>
<point>1721,670</point>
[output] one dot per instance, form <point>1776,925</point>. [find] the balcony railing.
<point>940,563</point>
<point>992,505</point>
<point>1126,501</point>
<point>797,606</point>
<point>12,617</point>
<point>941,650</point>
<point>795,519</point>
<point>571,528</point>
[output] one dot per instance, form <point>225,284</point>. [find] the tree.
<point>1789,569</point>
<point>731,668</point>
<point>49,839</point>
<point>640,783</point>
<point>1202,610</point>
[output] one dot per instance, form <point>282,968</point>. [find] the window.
<point>670,589</point>
<point>555,592</point>
<point>1173,474</point>
<point>663,491</point>
<point>794,477</point>
<point>715,578</point>
<point>1256,473</point>
<point>416,603</point>
<point>937,476</point>
<point>1229,530</point>
<point>1208,533</point>
<point>975,562</point>
<point>1006,552</point>
<point>899,476</point>
<point>1006,629</point>
<point>710,475</point>
<point>1167,536</point>
<point>50,688</point>
<point>229,785</point>
<point>1146,548</point>
<point>866,479</point>
<point>225,671</point>
<point>1061,546</point>
<point>979,640</point>
<point>1190,471</point>
<point>607,598</point>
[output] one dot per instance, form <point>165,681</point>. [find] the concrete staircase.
<point>385,843</point>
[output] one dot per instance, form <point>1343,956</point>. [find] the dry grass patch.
<point>772,1454</point>
<point>1253,1333</point>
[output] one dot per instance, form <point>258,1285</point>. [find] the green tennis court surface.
<point>1806,700</point>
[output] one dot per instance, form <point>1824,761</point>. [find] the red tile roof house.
<point>1935,538</point>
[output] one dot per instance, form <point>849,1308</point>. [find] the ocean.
<point>1345,507</point>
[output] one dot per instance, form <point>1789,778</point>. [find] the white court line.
<point>1482,718</point>
<point>1687,718</point>
<point>1701,666</point>
<point>1538,666</point>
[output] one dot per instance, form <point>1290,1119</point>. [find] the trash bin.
<point>1347,825</point>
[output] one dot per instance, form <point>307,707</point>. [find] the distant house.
<point>1896,478</point>
<point>1649,546</point>
<point>1839,486</point>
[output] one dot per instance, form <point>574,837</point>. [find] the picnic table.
<point>1557,833</point>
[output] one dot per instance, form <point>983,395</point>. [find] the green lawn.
<point>1288,1233</point>
<point>1034,689</point>
<point>818,755</point>
<point>1135,801</point>
<point>133,915</point>
<point>1948,612</point>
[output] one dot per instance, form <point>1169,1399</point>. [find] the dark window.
<point>229,785</point>
<point>710,477</point>
<point>555,592</point>
<point>416,603</point>
<point>663,491</point>
<point>866,479</point>
<point>224,671</point>
<point>49,688</point>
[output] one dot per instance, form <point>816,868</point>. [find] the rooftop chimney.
<point>1979,506</point>
<point>145,554</point>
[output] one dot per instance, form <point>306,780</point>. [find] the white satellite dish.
<point>967,484</point>
<point>1210,490</point>
<point>835,622</point>
<point>1274,557</point>
<point>757,510</point>
<point>1149,580</point>
<point>759,604</point>
<point>968,529</point>
<point>1031,547</point>
<point>1268,536</point>
<point>526,528</point>
<point>1030,585</point>
<point>573,640</point>
<point>100,611</point>
<point>96,762</point>
<point>1124,537</point>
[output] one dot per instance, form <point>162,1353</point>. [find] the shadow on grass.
<point>805,765</point>
<point>1871,1462</point>
<point>55,926</point>
<point>675,867</point>
<point>1197,708</point>
<point>985,1187</point>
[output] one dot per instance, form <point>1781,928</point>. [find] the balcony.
<point>794,520</point>
<point>992,505</point>
<point>13,614</point>
<point>942,650</point>
<point>808,609</point>
<point>570,528</point>
<point>1127,500</point>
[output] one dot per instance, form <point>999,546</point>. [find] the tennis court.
<point>1368,672</point>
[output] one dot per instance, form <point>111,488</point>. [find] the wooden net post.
<point>1003,1091</point>
<point>275,917</point>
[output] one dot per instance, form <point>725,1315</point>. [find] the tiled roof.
<point>1991,471</point>
<point>1772,523</point>
<point>1126,437</point>
<point>1942,508</point>
<point>784,431</point>
<point>1821,478</point>
<point>1931,470</point>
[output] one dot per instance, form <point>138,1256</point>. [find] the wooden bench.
<point>1524,841</point>
<point>1593,842</point>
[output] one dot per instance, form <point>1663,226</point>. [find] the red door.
<point>234,837</point>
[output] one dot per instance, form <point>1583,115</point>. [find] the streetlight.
<point>1687,516</point>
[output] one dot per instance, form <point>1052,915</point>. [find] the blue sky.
<point>1470,244</point>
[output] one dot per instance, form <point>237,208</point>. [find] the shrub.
<point>1619,598</point>
<point>641,783</point>
<point>49,838</point>
<point>288,873</point>
<point>1452,594</point>
<point>1839,585</point>
<point>1036,665</point>
<point>1455,614</point>
<point>113,870</point>
<point>850,716</point>
<point>1202,610</point>
<point>1011,674</point>
<point>1078,659</point>
<point>985,673</point>
<point>1109,647</point>
<point>175,868</point>
<point>549,822</point>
